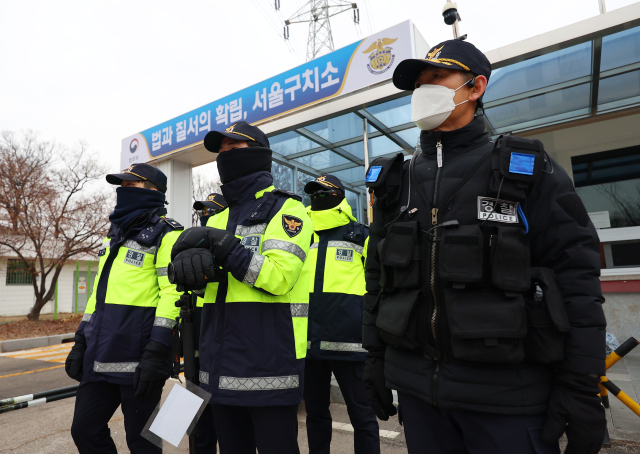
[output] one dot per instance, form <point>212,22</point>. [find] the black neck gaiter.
<point>240,162</point>
<point>321,202</point>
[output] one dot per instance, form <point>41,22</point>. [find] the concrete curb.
<point>14,345</point>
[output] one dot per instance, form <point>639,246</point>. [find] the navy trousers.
<point>272,430</point>
<point>317,398</point>
<point>429,429</point>
<point>96,402</point>
<point>207,440</point>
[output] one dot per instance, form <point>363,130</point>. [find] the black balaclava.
<point>133,202</point>
<point>325,200</point>
<point>240,162</point>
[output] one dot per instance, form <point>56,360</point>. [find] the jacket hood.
<point>331,218</point>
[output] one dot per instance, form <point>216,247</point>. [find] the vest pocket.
<point>487,325</point>
<point>401,256</point>
<point>510,259</point>
<point>399,317</point>
<point>547,318</point>
<point>461,254</point>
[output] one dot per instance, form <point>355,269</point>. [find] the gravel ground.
<point>20,328</point>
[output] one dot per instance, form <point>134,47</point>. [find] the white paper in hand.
<point>176,414</point>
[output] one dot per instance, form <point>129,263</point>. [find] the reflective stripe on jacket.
<point>254,322</point>
<point>131,304</point>
<point>337,286</point>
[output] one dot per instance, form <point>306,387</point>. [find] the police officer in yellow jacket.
<point>207,440</point>
<point>254,323</point>
<point>122,349</point>
<point>336,303</point>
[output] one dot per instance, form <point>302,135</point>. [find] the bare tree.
<point>47,213</point>
<point>205,182</point>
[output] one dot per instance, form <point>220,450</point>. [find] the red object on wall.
<point>620,286</point>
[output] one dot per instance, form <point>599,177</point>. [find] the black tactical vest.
<point>457,280</point>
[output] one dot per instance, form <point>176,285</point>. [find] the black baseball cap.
<point>138,172</point>
<point>239,131</point>
<point>214,201</point>
<point>324,183</point>
<point>452,54</point>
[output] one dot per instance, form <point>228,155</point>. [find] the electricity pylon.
<point>317,13</point>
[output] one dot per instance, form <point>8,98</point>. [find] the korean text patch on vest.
<point>373,174</point>
<point>503,211</point>
<point>102,252</point>
<point>344,255</point>
<point>134,258</point>
<point>251,242</point>
<point>522,163</point>
<point>291,225</point>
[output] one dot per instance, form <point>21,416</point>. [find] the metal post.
<point>55,304</point>
<point>365,138</point>
<point>603,6</point>
<point>89,286</point>
<point>75,310</point>
<point>456,30</point>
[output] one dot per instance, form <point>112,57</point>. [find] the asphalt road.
<point>44,429</point>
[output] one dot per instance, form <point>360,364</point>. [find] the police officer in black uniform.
<point>484,304</point>
<point>207,439</point>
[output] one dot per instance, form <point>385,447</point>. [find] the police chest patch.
<point>344,255</point>
<point>134,258</point>
<point>251,242</point>
<point>291,225</point>
<point>102,252</point>
<point>502,211</point>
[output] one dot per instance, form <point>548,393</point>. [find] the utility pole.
<point>317,14</point>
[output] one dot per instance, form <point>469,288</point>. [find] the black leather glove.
<point>74,361</point>
<point>379,396</point>
<point>152,371</point>
<point>219,242</point>
<point>192,269</point>
<point>575,408</point>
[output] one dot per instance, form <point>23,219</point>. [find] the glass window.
<point>352,200</point>
<point>303,179</point>
<point>625,88</point>
<point>382,145</point>
<point>322,160</point>
<point>393,113</point>
<point>282,176</point>
<point>543,71</point>
<point>291,142</point>
<point>625,253</point>
<point>338,128</point>
<point>351,175</point>
<point>609,183</point>
<point>410,136</point>
<point>620,49</point>
<point>18,273</point>
<point>356,149</point>
<point>569,101</point>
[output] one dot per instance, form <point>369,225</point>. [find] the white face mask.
<point>431,105</point>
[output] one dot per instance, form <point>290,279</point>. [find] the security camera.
<point>450,13</point>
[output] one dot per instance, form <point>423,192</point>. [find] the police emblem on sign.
<point>344,255</point>
<point>497,210</point>
<point>291,225</point>
<point>251,242</point>
<point>134,258</point>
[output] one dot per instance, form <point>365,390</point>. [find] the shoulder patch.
<point>290,194</point>
<point>291,225</point>
<point>175,225</point>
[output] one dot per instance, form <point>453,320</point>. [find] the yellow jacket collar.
<point>331,218</point>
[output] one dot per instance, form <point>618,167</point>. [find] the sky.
<point>100,71</point>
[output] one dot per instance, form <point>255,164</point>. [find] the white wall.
<point>19,299</point>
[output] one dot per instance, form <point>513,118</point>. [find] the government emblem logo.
<point>291,225</point>
<point>381,57</point>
